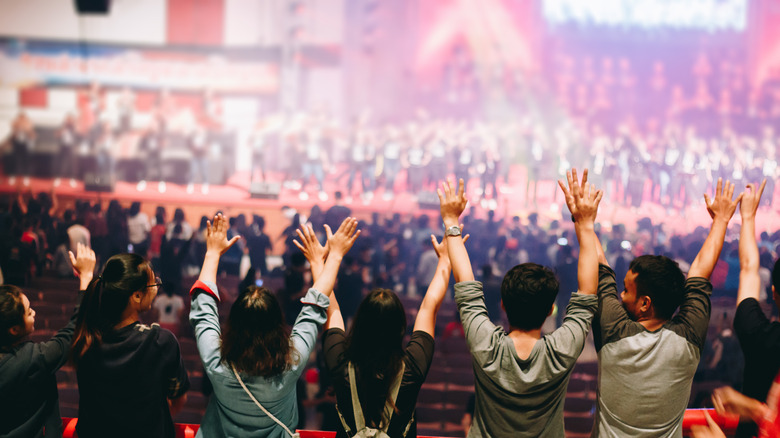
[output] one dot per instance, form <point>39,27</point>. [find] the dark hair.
<point>159,215</point>
<point>661,279</point>
<point>374,346</point>
<point>105,300</point>
<point>528,293</point>
<point>135,208</point>
<point>256,340</point>
<point>776,276</point>
<point>11,313</point>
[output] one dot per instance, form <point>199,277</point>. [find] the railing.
<point>692,417</point>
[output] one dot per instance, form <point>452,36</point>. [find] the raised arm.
<point>721,209</point>
<point>749,281</point>
<point>452,204</point>
<point>216,245</point>
<point>83,263</point>
<point>324,271</point>
<point>315,253</point>
<point>429,308</point>
<point>583,202</point>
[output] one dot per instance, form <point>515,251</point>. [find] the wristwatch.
<point>452,231</point>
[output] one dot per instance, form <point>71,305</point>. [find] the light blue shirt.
<point>230,412</point>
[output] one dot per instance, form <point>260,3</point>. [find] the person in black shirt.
<point>259,244</point>
<point>758,337</point>
<point>27,369</point>
<point>131,376</point>
<point>371,359</point>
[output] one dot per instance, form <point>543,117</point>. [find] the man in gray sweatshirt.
<point>521,376</point>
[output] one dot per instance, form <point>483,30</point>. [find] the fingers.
<point>301,247</point>
<point>574,177</point>
<point>328,231</point>
<point>719,187</point>
<point>461,189</point>
<point>729,189</point>
<point>713,425</point>
<point>441,197</point>
<point>233,240</point>
<point>466,238</point>
<point>585,177</point>
<point>72,258</point>
<point>707,199</point>
<point>599,195</point>
<point>563,188</point>
<point>761,189</point>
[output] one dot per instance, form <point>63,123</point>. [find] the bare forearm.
<point>84,279</point>
<point>748,249</point>
<point>326,280</point>
<point>208,273</point>
<point>705,261</point>
<point>438,287</point>
<point>587,264</point>
<point>316,270</point>
<point>749,280</point>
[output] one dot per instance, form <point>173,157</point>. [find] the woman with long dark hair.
<point>131,376</point>
<point>29,406</point>
<point>255,362</point>
<point>371,364</point>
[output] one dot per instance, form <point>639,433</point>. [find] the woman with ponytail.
<point>371,361</point>
<point>254,363</point>
<point>29,406</point>
<point>131,376</point>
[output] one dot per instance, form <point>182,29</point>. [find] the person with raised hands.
<point>758,336</point>
<point>29,406</point>
<point>648,354</point>
<point>521,376</point>
<point>376,379</point>
<point>255,363</point>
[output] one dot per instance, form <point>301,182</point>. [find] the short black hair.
<point>661,279</point>
<point>776,276</point>
<point>528,293</point>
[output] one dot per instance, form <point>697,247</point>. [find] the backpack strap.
<point>270,415</point>
<point>360,421</point>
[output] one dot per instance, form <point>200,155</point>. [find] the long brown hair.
<point>256,340</point>
<point>106,299</point>
<point>375,347</point>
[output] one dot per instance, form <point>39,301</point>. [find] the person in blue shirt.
<point>254,362</point>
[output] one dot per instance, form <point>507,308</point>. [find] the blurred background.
<point>290,110</point>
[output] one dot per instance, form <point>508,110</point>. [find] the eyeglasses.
<point>157,283</point>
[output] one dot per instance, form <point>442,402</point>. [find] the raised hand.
<point>216,235</point>
<point>341,242</point>
<point>582,198</point>
<point>441,247</point>
<point>722,206</point>
<point>84,261</point>
<point>711,430</point>
<point>728,400</point>
<point>751,198</point>
<point>451,202</point>
<point>310,246</point>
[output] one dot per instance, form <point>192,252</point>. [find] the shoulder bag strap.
<point>293,435</point>
<point>360,421</point>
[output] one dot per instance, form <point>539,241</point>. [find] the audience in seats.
<point>520,376</point>
<point>29,405</point>
<point>132,379</point>
<point>131,376</point>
